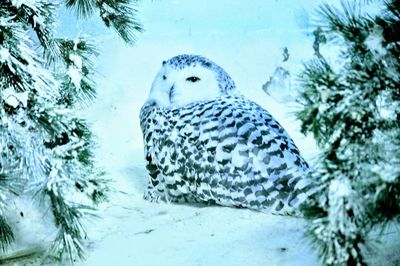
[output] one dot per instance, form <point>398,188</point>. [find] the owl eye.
<point>164,77</point>
<point>193,79</point>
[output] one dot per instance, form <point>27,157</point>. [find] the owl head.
<point>184,79</point>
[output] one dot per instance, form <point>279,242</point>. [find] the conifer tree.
<point>351,104</point>
<point>46,149</point>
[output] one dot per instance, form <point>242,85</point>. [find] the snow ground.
<point>246,39</point>
<point>137,232</point>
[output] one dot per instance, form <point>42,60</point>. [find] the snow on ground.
<point>137,232</point>
<point>246,39</point>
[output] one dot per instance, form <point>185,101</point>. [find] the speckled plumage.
<point>226,150</point>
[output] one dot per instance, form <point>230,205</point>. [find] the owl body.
<point>221,148</point>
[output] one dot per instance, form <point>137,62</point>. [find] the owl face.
<point>186,79</point>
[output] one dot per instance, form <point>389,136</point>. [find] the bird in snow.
<point>206,142</point>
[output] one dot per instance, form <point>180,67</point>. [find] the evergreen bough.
<point>351,105</point>
<point>46,149</point>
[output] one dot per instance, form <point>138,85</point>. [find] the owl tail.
<point>287,194</point>
<point>303,190</point>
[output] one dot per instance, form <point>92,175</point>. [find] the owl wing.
<point>234,152</point>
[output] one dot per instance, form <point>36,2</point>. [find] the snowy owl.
<point>205,142</point>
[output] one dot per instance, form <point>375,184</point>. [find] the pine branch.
<point>6,234</point>
<point>45,148</point>
<point>69,201</point>
<point>40,18</point>
<point>84,8</point>
<point>121,15</point>
<point>347,22</point>
<point>353,113</point>
<point>317,79</point>
<point>72,234</point>
<point>77,84</point>
<point>42,21</point>
<point>118,14</point>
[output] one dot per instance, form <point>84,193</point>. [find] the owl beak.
<point>171,93</point>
